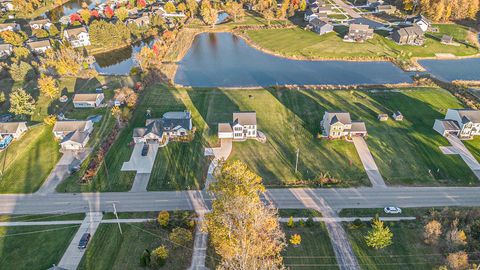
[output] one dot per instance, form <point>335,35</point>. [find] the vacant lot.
<point>111,250</point>
<point>34,247</point>
<point>296,42</point>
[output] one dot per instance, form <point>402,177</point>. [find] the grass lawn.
<point>41,217</point>
<point>27,162</point>
<point>34,247</point>
<point>297,42</point>
<point>111,250</point>
<point>299,213</point>
<point>474,147</point>
<point>406,252</point>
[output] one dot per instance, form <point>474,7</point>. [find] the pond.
<point>70,7</point>
<point>119,62</point>
<point>225,60</point>
<point>467,69</point>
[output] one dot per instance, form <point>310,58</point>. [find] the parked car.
<point>74,169</point>
<point>84,241</point>
<point>392,210</point>
<point>145,148</point>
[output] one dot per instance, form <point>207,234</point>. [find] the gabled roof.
<point>69,126</point>
<point>4,47</point>
<point>74,32</point>
<point>225,127</point>
<point>449,124</point>
<point>359,27</point>
<point>10,127</point>
<point>245,118</point>
<point>338,117</point>
<point>39,44</point>
<point>86,97</point>
<point>468,115</point>
<point>76,136</point>
<point>410,31</point>
<point>5,25</point>
<point>41,21</point>
<point>358,126</point>
<point>318,22</point>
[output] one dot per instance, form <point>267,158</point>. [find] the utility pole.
<point>116,215</point>
<point>296,162</point>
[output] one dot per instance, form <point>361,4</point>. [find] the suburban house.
<point>40,46</point>
<point>88,100</point>
<point>9,27</point>
<point>5,50</point>
<point>74,134</point>
<point>421,21</point>
<point>142,21</point>
<point>243,126</point>
<point>389,9</point>
<point>320,27</point>
<point>339,124</point>
<point>78,37</point>
<point>13,129</point>
<point>6,5</point>
<point>172,125</point>
<point>310,15</point>
<point>397,116</point>
<point>464,123</point>
<point>40,24</point>
<point>358,33</point>
<point>411,35</point>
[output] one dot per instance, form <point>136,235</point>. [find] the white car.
<point>392,210</point>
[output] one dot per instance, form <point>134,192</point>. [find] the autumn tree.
<point>65,60</point>
<point>20,71</point>
<point>50,120</point>
<point>85,15</point>
<point>456,237</point>
<point>192,7</point>
<point>40,33</point>
<point>295,239</point>
<point>2,97</point>
<point>21,103</point>
<point>170,7</point>
<point>244,231</point>
<point>14,38</point>
<point>432,231</point>
<point>108,12</point>
<point>116,112</point>
<point>208,13</point>
<point>163,218</point>
<point>180,236</point>
<point>182,7</point>
<point>121,13</point>
<point>234,9</point>
<point>26,6</point>
<point>290,222</point>
<point>458,260</point>
<point>53,31</point>
<point>127,96</point>
<point>108,35</point>
<point>158,257</point>
<point>48,86</point>
<point>380,236</point>
<point>21,53</point>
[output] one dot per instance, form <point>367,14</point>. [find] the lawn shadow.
<point>86,85</point>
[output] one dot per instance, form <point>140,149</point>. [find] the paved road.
<point>72,256</point>
<point>347,8</point>
<point>368,162</point>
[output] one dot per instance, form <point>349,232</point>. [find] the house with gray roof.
<point>14,129</point>
<point>88,100</point>
<point>39,46</point>
<point>337,125</point>
<point>464,123</point>
<point>5,50</point>
<point>320,27</point>
<point>411,35</point>
<point>73,134</point>
<point>358,33</point>
<point>172,126</point>
<point>242,127</point>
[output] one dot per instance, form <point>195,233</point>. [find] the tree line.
<point>445,10</point>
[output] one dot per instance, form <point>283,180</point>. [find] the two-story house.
<point>172,125</point>
<point>464,123</point>
<point>339,124</point>
<point>243,126</point>
<point>358,33</point>
<point>39,46</point>
<point>73,134</point>
<point>78,37</point>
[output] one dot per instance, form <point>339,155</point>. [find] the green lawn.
<point>298,213</point>
<point>41,217</point>
<point>111,250</point>
<point>297,42</point>
<point>474,147</point>
<point>27,162</point>
<point>34,247</point>
<point>406,252</point>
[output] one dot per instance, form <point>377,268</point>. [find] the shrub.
<point>310,222</point>
<point>301,223</point>
<point>145,258</point>
<point>180,236</point>
<point>458,260</point>
<point>163,218</point>
<point>295,239</point>
<point>158,257</point>
<point>290,222</point>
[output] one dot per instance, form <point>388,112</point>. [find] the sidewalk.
<point>345,219</point>
<point>72,256</point>
<point>201,239</point>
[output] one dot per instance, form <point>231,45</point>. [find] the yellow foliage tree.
<point>295,239</point>
<point>48,86</point>
<point>163,218</point>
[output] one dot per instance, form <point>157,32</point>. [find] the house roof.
<point>449,124</point>
<point>318,22</point>
<point>39,44</point>
<point>76,136</point>
<point>86,97</point>
<point>169,121</point>
<point>5,25</point>
<point>358,126</point>
<point>10,127</point>
<point>74,32</point>
<point>468,115</point>
<point>4,47</point>
<point>410,31</point>
<point>359,27</point>
<point>42,21</point>
<point>69,126</point>
<point>447,39</point>
<point>225,127</point>
<point>397,113</point>
<point>335,117</point>
<point>245,118</point>
<point>386,7</point>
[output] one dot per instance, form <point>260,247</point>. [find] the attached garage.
<point>225,131</point>
<point>446,127</point>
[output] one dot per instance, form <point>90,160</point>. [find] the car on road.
<point>392,210</point>
<point>145,148</point>
<point>84,241</point>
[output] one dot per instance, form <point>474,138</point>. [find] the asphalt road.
<point>282,198</point>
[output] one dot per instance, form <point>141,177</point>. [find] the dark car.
<point>145,149</point>
<point>84,241</point>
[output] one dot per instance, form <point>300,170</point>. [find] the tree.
<point>163,218</point>
<point>159,256</point>
<point>290,222</point>
<point>116,112</point>
<point>181,7</point>
<point>85,15</point>
<point>432,232</point>
<point>108,35</point>
<point>170,7</point>
<point>2,97</point>
<point>53,31</point>
<point>126,95</point>
<point>48,86</point>
<point>180,236</point>
<point>145,258</point>
<point>121,13</point>
<point>234,9</point>
<point>75,18</point>
<point>26,6</point>
<point>192,7</point>
<point>20,71</point>
<point>295,239</point>
<point>65,60</point>
<point>243,230</point>
<point>108,12</point>
<point>455,236</point>
<point>21,102</point>
<point>50,120</point>
<point>208,13</point>
<point>380,236</point>
<point>40,33</point>
<point>303,5</point>
<point>458,260</point>
<point>14,38</point>
<point>141,4</point>
<point>408,5</point>
<point>21,53</point>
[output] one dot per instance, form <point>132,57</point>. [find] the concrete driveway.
<point>139,163</point>
<point>368,162</point>
<point>458,148</point>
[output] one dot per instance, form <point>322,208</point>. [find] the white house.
<point>6,5</point>
<point>422,22</point>
<point>5,50</point>
<point>142,21</point>
<point>73,135</point>
<point>9,27</point>
<point>172,125</point>
<point>14,129</point>
<point>243,126</point>
<point>78,37</point>
<point>339,124</point>
<point>40,24</point>
<point>464,123</point>
<point>88,100</point>
<point>40,46</point>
